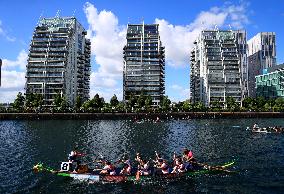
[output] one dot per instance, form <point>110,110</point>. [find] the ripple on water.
<point>259,157</point>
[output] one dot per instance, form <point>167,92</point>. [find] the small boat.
<point>93,176</point>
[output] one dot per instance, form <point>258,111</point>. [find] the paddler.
<point>144,168</point>
<point>179,166</point>
<point>127,168</point>
<point>188,155</point>
<point>165,167</point>
<point>73,158</point>
<point>108,169</point>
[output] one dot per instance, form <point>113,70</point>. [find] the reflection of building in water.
<point>219,66</point>
<point>59,60</point>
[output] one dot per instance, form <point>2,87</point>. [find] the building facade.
<point>271,84</point>
<point>261,56</point>
<point>218,67</point>
<point>59,60</point>
<point>144,62</point>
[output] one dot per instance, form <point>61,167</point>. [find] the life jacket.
<point>190,154</point>
<point>72,156</point>
<point>165,168</point>
<point>181,168</point>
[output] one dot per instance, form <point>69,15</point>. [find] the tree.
<point>165,103</point>
<point>97,103</point>
<point>216,106</point>
<point>260,102</point>
<point>78,103</point>
<point>148,102</point>
<point>231,103</point>
<point>199,106</point>
<point>57,100</point>
<point>113,101</point>
<point>19,102</point>
<point>187,106</point>
<point>279,104</point>
<point>141,100</point>
<point>131,101</point>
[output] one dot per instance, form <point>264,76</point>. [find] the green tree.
<point>113,101</point>
<point>165,103</point>
<point>186,106</point>
<point>260,102</point>
<point>279,105</point>
<point>231,104</point>
<point>148,102</point>
<point>19,102</point>
<point>199,106</point>
<point>57,100</point>
<point>250,104</point>
<point>141,100</point>
<point>216,106</point>
<point>131,101</point>
<point>78,103</point>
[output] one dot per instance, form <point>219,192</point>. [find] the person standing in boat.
<point>109,169</point>
<point>73,158</point>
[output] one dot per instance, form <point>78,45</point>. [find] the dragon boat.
<point>91,175</point>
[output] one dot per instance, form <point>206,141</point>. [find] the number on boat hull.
<point>65,166</point>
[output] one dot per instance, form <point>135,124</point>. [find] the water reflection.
<point>24,143</point>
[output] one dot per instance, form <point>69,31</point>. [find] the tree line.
<point>143,103</point>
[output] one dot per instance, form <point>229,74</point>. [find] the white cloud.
<point>180,93</point>
<point>178,39</point>
<point>13,77</point>
<point>20,63</point>
<point>108,40</point>
<point>5,35</point>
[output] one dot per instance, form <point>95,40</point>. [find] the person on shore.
<point>109,169</point>
<point>73,158</point>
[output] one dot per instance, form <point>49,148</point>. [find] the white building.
<point>261,55</point>
<point>144,62</point>
<point>218,67</point>
<point>59,60</point>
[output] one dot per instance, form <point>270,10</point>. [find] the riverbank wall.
<point>137,116</point>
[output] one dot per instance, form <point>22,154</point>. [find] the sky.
<point>180,22</point>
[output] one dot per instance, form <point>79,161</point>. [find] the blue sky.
<point>106,20</point>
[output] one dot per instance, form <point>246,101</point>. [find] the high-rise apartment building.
<point>144,62</point>
<point>261,55</point>
<point>59,60</point>
<point>218,67</point>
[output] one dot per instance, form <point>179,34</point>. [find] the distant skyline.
<point>106,21</point>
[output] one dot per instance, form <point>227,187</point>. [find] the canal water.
<point>259,157</point>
